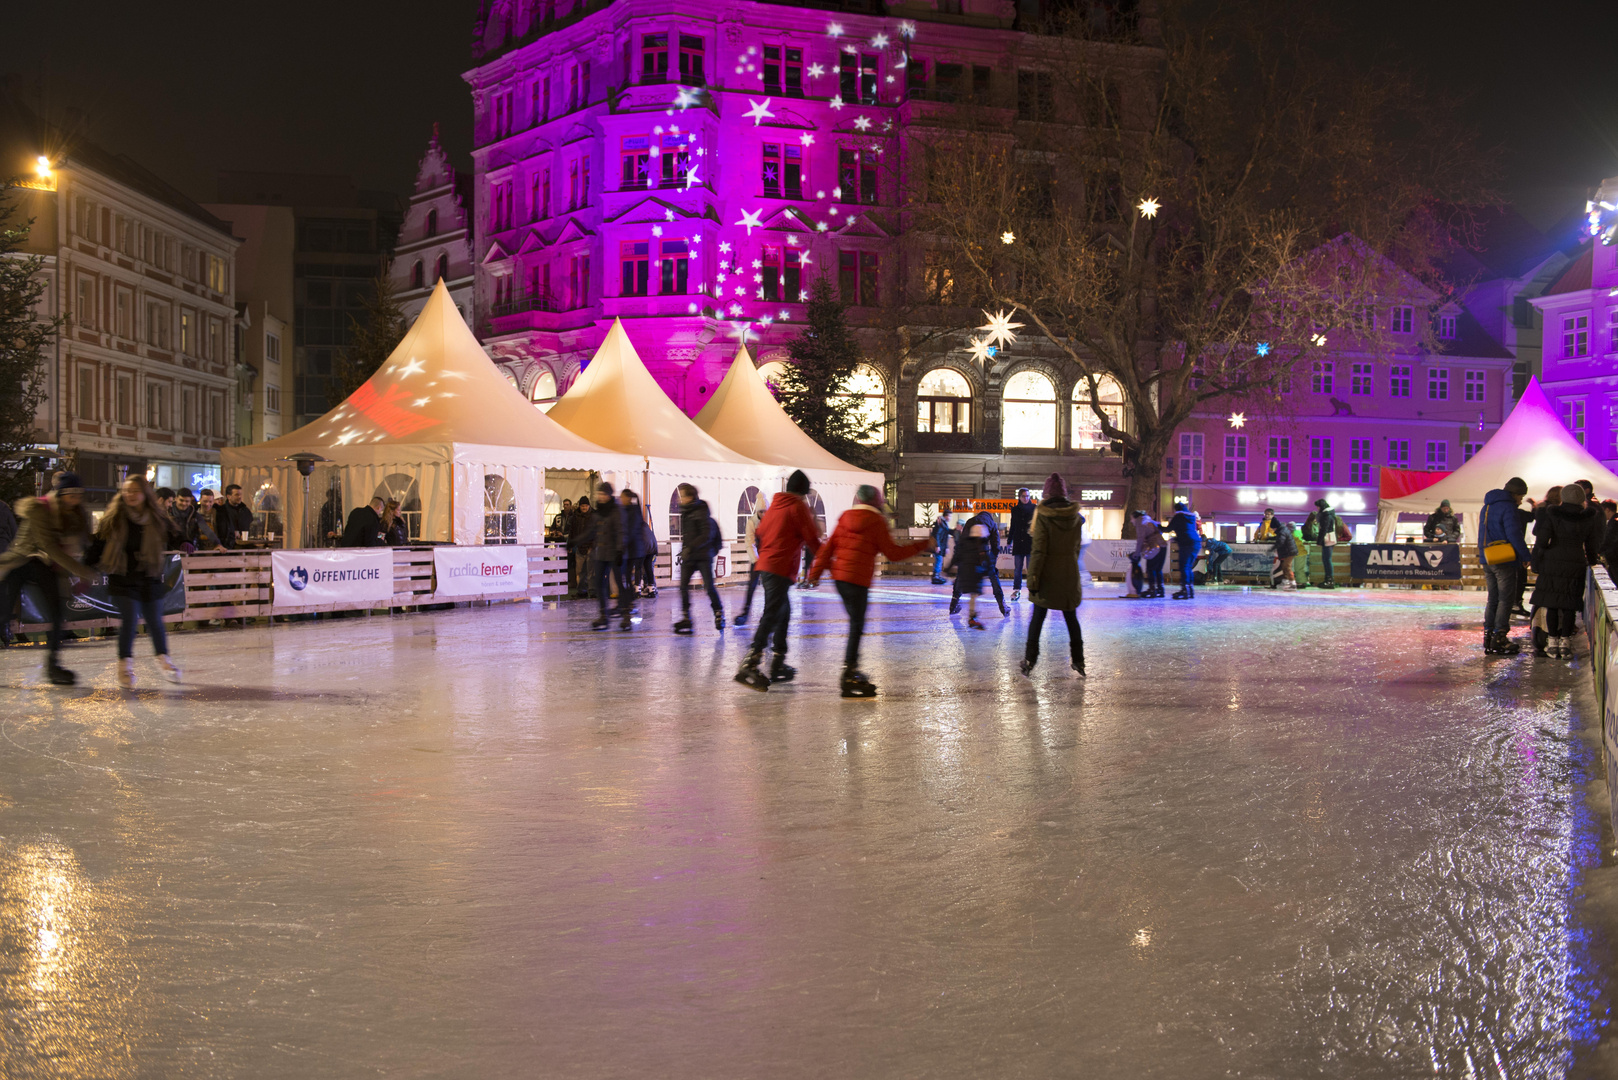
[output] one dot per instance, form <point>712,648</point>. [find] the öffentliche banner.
<point>358,576</point>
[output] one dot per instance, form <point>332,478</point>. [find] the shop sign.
<point>355,576</point>
<point>1404,562</point>
<point>478,570</point>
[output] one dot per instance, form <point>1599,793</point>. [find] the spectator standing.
<point>942,535</point>
<point>395,533</point>
<point>788,527</point>
<point>850,554</point>
<point>1022,540</point>
<point>234,519</point>
<point>52,535</point>
<point>1187,530</point>
<point>165,501</point>
<point>699,542</point>
<point>1442,527</point>
<point>1053,572</point>
<point>1501,523</point>
<point>203,530</point>
<point>1609,535</point>
<point>751,535</point>
<point>578,549</point>
<point>364,528</point>
<point>129,547</point>
<point>607,557</point>
<point>1567,540</point>
<point>1324,527</point>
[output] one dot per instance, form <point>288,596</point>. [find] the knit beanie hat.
<point>68,483</point>
<point>868,495</point>
<point>1574,495</point>
<point>1054,487</point>
<point>798,483</point>
<point>1517,486</point>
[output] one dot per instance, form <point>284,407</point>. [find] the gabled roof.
<point>571,230</point>
<point>495,253</point>
<point>650,210</point>
<point>1577,276</point>
<point>616,402</point>
<point>1472,340</point>
<point>745,416</point>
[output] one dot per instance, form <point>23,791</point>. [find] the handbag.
<point>1497,551</point>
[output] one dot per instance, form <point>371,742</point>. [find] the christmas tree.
<point>813,390</point>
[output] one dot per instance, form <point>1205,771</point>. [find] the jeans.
<point>855,600</point>
<point>1503,592</point>
<point>938,560</point>
<point>1017,564</point>
<point>1154,569</point>
<point>1188,562</point>
<point>747,599</point>
<point>149,610</point>
<point>601,574</point>
<point>1215,561</point>
<point>704,567</point>
<point>36,573</point>
<point>1036,625</point>
<point>1325,561</point>
<point>777,613</point>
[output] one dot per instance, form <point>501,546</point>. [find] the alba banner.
<point>476,571</point>
<point>1404,562</point>
<point>357,576</point>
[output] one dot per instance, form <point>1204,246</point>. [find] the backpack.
<point>716,540</point>
<point>1311,529</point>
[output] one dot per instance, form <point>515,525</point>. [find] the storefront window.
<point>943,403</point>
<point>1086,424</point>
<point>870,394</point>
<point>1028,410</point>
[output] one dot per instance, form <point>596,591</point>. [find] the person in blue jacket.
<point>1187,530</point>
<point>1502,521</point>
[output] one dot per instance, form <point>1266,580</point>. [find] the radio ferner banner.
<point>1404,562</point>
<point>355,576</point>
<point>474,571</point>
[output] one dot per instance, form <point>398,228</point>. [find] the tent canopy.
<point>745,416</point>
<point>1532,444</point>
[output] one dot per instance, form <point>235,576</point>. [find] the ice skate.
<point>1505,646</point>
<point>1005,610</point>
<point>973,622</point>
<point>126,674</point>
<point>683,626</point>
<point>625,623</point>
<point>171,670</point>
<point>749,675</point>
<point>57,675</point>
<point>1182,595</point>
<point>857,684</point>
<point>937,580</point>
<point>741,620</point>
<point>1027,667</point>
<point>1016,594</point>
<point>601,623</point>
<point>955,606</point>
<point>781,671</point>
<point>718,619</point>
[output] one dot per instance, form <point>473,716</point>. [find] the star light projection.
<point>760,111</point>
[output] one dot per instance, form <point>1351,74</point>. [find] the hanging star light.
<point>982,351</point>
<point>1238,420</point>
<point>907,29</point>
<point>750,221</point>
<point>1318,340</point>
<point>1263,348</point>
<point>760,111</point>
<point>1149,207</point>
<point>1000,327</point>
<point>1008,238</point>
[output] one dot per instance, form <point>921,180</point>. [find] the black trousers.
<point>1036,625</point>
<point>993,577</point>
<point>777,613</point>
<point>34,572</point>
<point>688,567</point>
<point>1559,621</point>
<point>856,598</point>
<point>1215,561</point>
<point>747,600</point>
<point>601,575</point>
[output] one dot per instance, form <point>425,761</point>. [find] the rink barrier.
<point>1600,608</point>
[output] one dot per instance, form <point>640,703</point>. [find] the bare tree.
<point>1203,230</point>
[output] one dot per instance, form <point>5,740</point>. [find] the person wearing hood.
<point>1324,527</point>
<point>1442,527</point>
<point>850,554</point>
<point>1053,571</point>
<point>1022,539</point>
<point>607,558</point>
<point>699,543</point>
<point>1151,551</point>
<point>636,545</point>
<point>52,535</point>
<point>1187,530</point>
<point>129,547</point>
<point>985,557</point>
<point>1567,542</point>
<point>788,527</point>
<point>1501,523</point>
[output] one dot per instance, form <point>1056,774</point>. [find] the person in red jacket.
<point>788,527</point>
<point>851,552</point>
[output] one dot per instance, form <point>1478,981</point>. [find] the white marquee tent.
<point>1532,443</point>
<point>438,427</point>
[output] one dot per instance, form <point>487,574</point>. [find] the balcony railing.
<point>542,302</point>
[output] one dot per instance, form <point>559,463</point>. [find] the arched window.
<point>745,506</point>
<point>1028,411</point>
<point>771,374</point>
<point>511,379</point>
<point>403,487</point>
<point>1086,424</point>
<point>543,392</point>
<point>499,510</point>
<point>674,516</point>
<point>432,223</point>
<point>870,395</point>
<point>443,268</point>
<point>944,403</point>
<point>415,275</point>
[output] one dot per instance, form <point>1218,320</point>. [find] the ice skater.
<point>788,527</point>
<point>699,543</point>
<point>129,547</point>
<point>973,550</point>
<point>1152,552</point>
<point>1053,572</point>
<point>607,557</point>
<point>1022,541</point>
<point>1187,530</point>
<point>850,553</point>
<point>52,535</point>
<point>991,551</point>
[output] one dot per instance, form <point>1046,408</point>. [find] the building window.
<point>1399,381</point>
<point>1359,380</point>
<point>771,273</point>
<point>543,392</point>
<point>1404,318</point>
<point>676,267</point>
<point>1028,411</point>
<point>1438,384</point>
<point>1576,335</point>
<point>1235,459</point>
<point>216,273</point>
<point>654,58</point>
<point>856,277</point>
<point>157,324</point>
<point>578,281</point>
<point>84,308</point>
<point>1447,327</point>
<point>1399,453</point>
<point>441,269</point>
<point>1190,457</point>
<point>432,223</point>
<point>272,399</point>
<point>869,396</point>
<point>499,510</point>
<point>1468,450</point>
<point>770,170</point>
<point>1359,461</point>
<point>1612,330</point>
<point>1035,95</point>
<point>87,392</point>
<point>1475,386</point>
<point>573,185</point>
<point>416,279</point>
<point>691,69</point>
<point>1573,418</point>
<point>156,406</point>
<point>1320,461</point>
<point>783,71</point>
<point>1320,376</point>
<point>938,276</point>
<point>1280,460</point>
<point>856,173</point>
<point>857,78</point>
<point>124,399</point>
<point>1437,456</point>
<point>545,192</point>
<point>1087,433</point>
<point>635,258</point>
<point>636,158</point>
<point>216,340</point>
<point>943,403</point>
<point>676,158</point>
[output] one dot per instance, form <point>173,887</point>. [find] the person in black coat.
<point>1022,539</point>
<point>607,556</point>
<point>699,543</point>
<point>364,528</point>
<point>1567,541</point>
<point>991,546</point>
<point>8,525</point>
<point>233,518</point>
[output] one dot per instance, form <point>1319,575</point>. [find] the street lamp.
<point>306,463</point>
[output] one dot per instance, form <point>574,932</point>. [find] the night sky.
<point>354,86</point>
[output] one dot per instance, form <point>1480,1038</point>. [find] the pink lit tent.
<point>745,416</point>
<point>1532,444</point>
<point>436,423</point>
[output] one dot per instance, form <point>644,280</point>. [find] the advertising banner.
<point>357,576</point>
<point>1404,562</point>
<point>1249,560</point>
<point>477,571</point>
<point>92,601</point>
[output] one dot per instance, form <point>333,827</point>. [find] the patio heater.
<point>306,463</point>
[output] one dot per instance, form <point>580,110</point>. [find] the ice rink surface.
<point>1270,836</point>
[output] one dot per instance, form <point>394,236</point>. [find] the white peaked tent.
<point>1532,444</point>
<point>745,416</point>
<point>616,402</point>
<point>438,418</point>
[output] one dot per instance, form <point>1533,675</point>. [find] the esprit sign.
<point>475,571</point>
<point>351,576</point>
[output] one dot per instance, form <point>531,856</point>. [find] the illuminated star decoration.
<point>907,29</point>
<point>816,70</point>
<point>1149,207</point>
<point>834,29</point>
<point>982,351</point>
<point>863,123</point>
<point>1238,419</point>
<point>415,367</point>
<point>1263,348</point>
<point>1318,339</point>
<point>806,139</point>
<point>1603,220</point>
<point>685,98</point>
<point>750,221</point>
<point>836,102</point>
<point>1000,328</point>
<point>760,111</point>
<point>739,330</point>
<point>1008,238</point>
<point>880,41</point>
